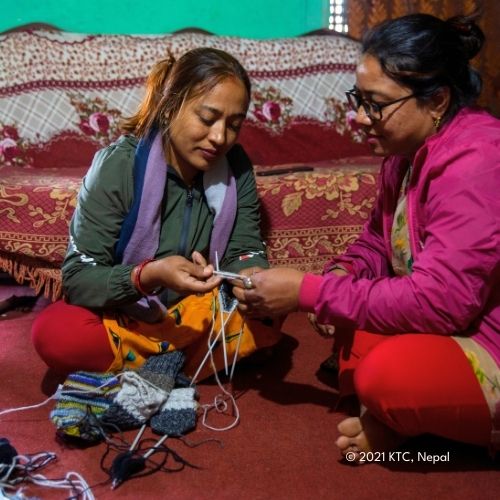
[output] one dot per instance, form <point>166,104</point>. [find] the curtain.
<point>363,14</point>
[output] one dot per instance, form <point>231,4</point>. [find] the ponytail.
<point>143,119</point>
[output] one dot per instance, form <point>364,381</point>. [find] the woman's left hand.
<point>274,292</point>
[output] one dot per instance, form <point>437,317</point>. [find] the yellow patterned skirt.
<point>188,326</point>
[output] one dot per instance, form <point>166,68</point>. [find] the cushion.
<point>312,211</point>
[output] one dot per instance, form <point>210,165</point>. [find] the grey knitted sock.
<point>143,392</point>
<point>178,414</point>
<point>162,369</point>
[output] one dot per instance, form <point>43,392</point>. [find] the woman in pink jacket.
<point>414,304</point>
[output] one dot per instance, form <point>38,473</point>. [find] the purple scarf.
<point>143,224</point>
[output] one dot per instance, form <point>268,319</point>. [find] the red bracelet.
<point>136,279</point>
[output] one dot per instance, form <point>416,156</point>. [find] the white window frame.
<point>337,16</point>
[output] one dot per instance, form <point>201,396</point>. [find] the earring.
<point>437,122</point>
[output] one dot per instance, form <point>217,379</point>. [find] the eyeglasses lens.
<point>371,109</point>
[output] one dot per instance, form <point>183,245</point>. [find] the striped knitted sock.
<point>177,415</point>
<point>143,392</point>
<point>84,397</point>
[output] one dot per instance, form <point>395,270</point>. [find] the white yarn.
<point>32,407</point>
<point>22,467</point>
<point>220,402</point>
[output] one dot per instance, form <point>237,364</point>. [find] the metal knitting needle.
<point>224,349</point>
<point>155,447</point>
<point>236,352</point>
<point>204,360</point>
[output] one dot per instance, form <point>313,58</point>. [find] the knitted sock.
<point>178,414</point>
<point>143,392</point>
<point>84,397</point>
<point>162,370</point>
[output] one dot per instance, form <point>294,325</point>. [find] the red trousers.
<point>415,384</point>
<point>71,338</point>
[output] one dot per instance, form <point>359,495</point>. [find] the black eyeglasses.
<point>372,109</point>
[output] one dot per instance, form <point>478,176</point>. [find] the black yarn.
<point>124,466</point>
<point>132,464</point>
<point>7,452</point>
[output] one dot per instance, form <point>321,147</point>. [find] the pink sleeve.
<point>309,292</point>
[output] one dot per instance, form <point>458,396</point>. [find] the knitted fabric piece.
<point>162,370</point>
<point>136,402</point>
<point>143,392</point>
<point>84,397</point>
<point>177,416</point>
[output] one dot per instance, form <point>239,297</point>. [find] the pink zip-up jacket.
<point>453,204</point>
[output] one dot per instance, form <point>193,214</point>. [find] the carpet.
<point>282,447</point>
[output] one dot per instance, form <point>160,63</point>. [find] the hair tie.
<point>464,28</point>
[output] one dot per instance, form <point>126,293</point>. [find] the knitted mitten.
<point>84,397</point>
<point>178,414</point>
<point>143,392</point>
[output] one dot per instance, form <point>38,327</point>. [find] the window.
<point>337,20</point>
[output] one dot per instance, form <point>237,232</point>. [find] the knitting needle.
<point>155,447</point>
<point>224,349</point>
<point>229,276</point>
<point>210,348</point>
<point>136,440</point>
<point>126,464</point>
<point>236,352</point>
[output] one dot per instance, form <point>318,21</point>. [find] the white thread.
<point>31,407</point>
<point>27,464</point>
<point>220,404</point>
<point>210,347</point>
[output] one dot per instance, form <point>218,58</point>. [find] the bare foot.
<point>360,435</point>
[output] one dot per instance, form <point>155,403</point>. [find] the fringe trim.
<point>28,272</point>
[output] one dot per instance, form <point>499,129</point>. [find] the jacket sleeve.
<point>245,247</point>
<point>90,277</point>
<point>453,273</point>
<point>367,256</point>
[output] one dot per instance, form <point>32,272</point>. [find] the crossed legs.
<point>408,385</point>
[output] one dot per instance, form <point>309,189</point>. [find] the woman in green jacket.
<point>156,212</point>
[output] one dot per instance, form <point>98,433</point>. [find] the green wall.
<point>246,18</point>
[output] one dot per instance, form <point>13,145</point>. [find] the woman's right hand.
<point>179,274</point>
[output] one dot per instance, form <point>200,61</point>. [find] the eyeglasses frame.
<point>367,105</point>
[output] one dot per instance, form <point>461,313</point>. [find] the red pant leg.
<point>422,383</point>
<point>352,347</point>
<point>71,338</point>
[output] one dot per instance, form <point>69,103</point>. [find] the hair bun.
<point>470,34</point>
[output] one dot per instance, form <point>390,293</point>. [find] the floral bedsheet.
<point>307,216</point>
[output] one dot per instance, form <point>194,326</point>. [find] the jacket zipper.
<point>186,222</point>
